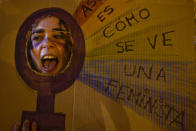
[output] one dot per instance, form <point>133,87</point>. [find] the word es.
<point>107,11</point>
<point>121,25</point>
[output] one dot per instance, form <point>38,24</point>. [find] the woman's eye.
<point>58,36</point>
<point>37,38</point>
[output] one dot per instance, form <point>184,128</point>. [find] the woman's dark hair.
<point>68,40</point>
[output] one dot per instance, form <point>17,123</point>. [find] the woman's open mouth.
<point>49,63</point>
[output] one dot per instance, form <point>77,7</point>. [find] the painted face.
<point>48,46</point>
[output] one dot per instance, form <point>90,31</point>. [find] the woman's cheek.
<point>36,58</point>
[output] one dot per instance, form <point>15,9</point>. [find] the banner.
<point>138,72</point>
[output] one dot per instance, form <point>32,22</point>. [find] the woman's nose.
<point>48,43</point>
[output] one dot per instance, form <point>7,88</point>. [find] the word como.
<point>120,25</point>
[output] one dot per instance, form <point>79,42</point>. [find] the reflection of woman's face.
<point>48,46</point>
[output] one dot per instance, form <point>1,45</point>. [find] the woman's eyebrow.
<point>38,31</point>
<point>58,29</point>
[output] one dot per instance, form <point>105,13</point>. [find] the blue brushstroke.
<point>97,73</point>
